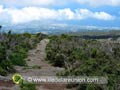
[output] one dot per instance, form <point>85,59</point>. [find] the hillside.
<point>61,55</point>
<point>86,57</point>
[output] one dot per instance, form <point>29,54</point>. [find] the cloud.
<point>46,3</point>
<point>4,16</point>
<point>85,13</point>
<point>1,9</point>
<point>66,14</point>
<point>28,14</point>
<point>100,2</point>
<point>31,13</point>
<point>103,15</point>
<point>26,3</point>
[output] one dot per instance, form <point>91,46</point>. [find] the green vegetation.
<point>27,86</point>
<point>32,67</point>
<point>14,49</point>
<point>86,57</point>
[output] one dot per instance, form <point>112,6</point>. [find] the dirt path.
<point>37,66</point>
<point>36,60</point>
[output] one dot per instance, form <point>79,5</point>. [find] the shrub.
<point>27,86</point>
<point>86,57</point>
<point>3,72</point>
<point>18,59</point>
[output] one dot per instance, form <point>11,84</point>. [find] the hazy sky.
<point>82,12</point>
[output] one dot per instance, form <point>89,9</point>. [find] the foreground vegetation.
<point>14,48</point>
<point>86,57</point>
<point>79,57</point>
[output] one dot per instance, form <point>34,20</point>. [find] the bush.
<point>86,57</point>
<point>3,72</point>
<point>27,86</point>
<point>14,49</point>
<point>58,61</point>
<point>7,65</point>
<point>18,59</point>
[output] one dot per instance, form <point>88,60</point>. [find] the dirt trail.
<point>36,58</point>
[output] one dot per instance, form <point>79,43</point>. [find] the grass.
<point>33,67</point>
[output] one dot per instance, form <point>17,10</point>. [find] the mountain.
<point>51,28</point>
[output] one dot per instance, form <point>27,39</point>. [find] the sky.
<point>104,13</point>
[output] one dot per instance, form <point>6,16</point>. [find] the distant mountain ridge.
<point>53,28</point>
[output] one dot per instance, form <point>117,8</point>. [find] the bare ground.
<point>36,58</point>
